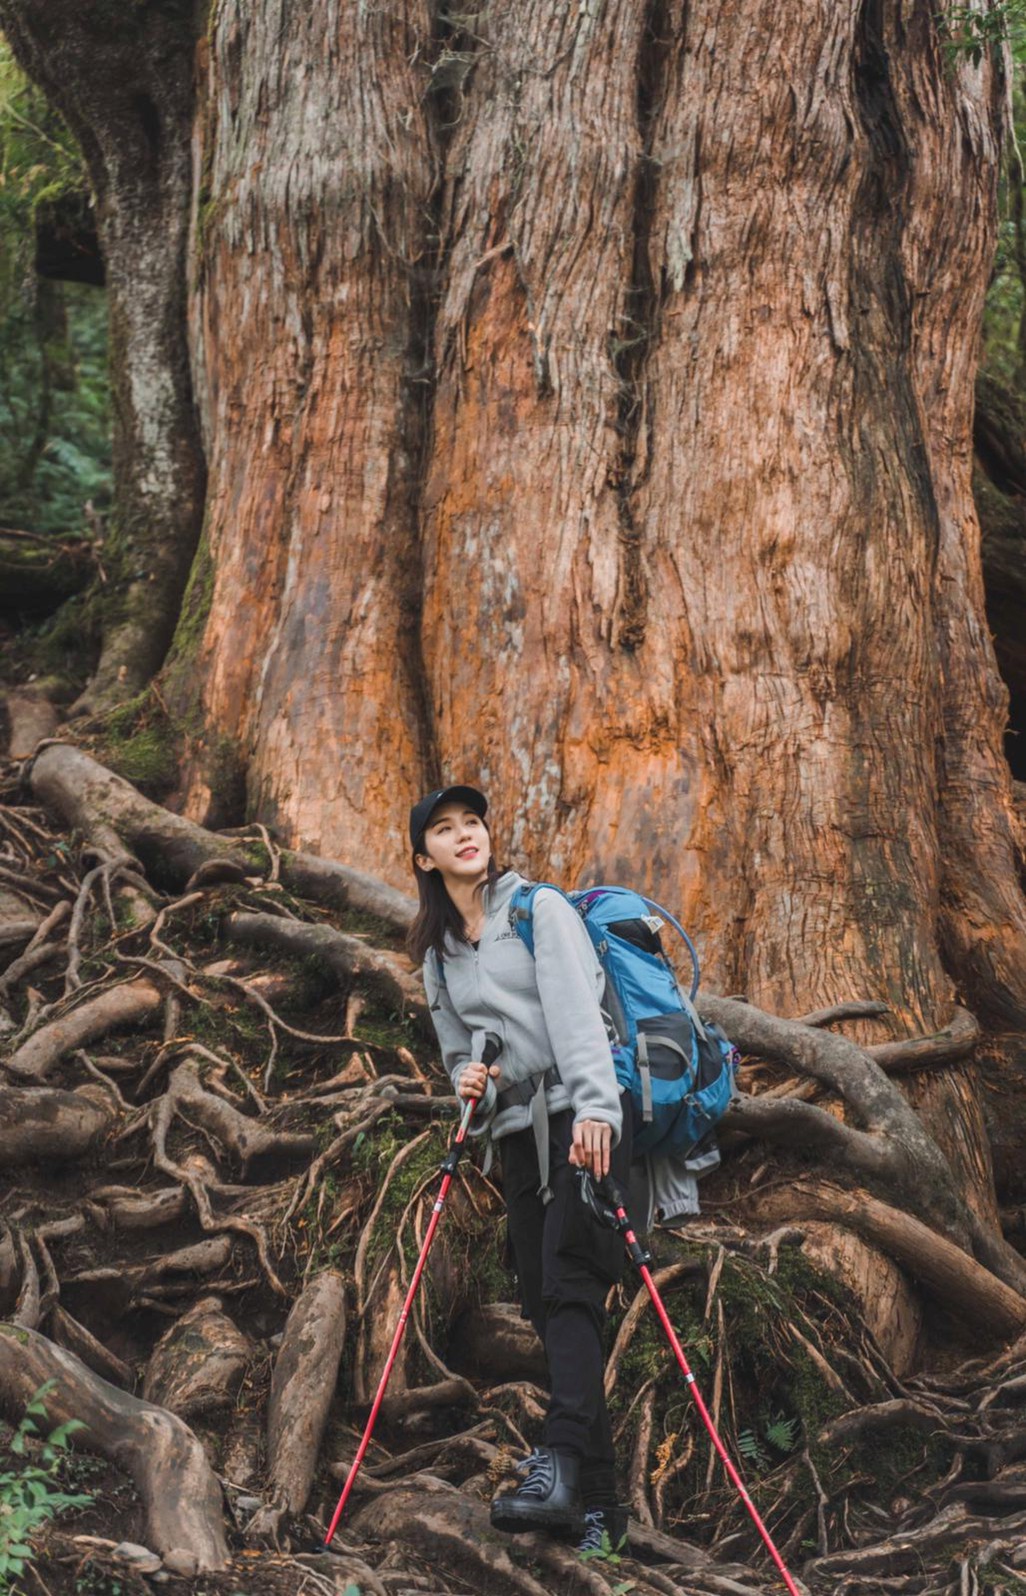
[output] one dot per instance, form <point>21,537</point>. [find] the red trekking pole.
<point>488,1050</point>
<point>607,1203</point>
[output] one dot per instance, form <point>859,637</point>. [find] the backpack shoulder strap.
<point>439,968</point>
<point>521,909</point>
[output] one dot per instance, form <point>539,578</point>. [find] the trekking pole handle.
<point>487,1047</point>
<point>614,1205</point>
<point>608,1204</point>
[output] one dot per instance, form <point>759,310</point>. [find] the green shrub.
<point>31,1495</point>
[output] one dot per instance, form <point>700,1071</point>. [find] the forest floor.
<point>221,1120</point>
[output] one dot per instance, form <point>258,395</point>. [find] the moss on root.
<point>775,1396</point>
<point>140,742</point>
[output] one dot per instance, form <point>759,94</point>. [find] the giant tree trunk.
<point>587,404</point>
<point>688,533</point>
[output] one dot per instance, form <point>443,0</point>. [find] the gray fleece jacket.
<point>544,1009</point>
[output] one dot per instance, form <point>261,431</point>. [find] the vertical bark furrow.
<point>525,558</point>
<point>889,277</point>
<point>892,461</point>
<point>454,56</point>
<point>629,343</point>
<point>796,569</point>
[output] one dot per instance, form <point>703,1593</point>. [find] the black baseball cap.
<point>421,812</point>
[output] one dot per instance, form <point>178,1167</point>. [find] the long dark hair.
<point>437,915</point>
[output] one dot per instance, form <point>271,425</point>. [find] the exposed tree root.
<point>894,1151</point>
<point>179,1491</point>
<point>131,1004</point>
<point>341,887</point>
<point>347,956</point>
<point>113,815</point>
<point>901,1411</point>
<point>474,1444</point>
<point>158,1263</point>
<point>454,1392</point>
<point>18,921</point>
<point>493,1341</point>
<point>955,1042</point>
<point>302,1386</point>
<point>951,1274</point>
<point>907,1551</point>
<point>31,717</point>
<point>172,1273</point>
<point>42,1124</point>
<point>240,1134</point>
<point>181,1093</point>
<point>198,1364</point>
<point>68,1332</point>
<point>129,1210</point>
<point>453,1531</point>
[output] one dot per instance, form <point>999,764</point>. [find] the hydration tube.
<point>682,933</point>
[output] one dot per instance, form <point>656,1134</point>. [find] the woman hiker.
<point>552,1099</point>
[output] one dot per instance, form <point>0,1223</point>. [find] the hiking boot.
<point>605,1532</point>
<point>548,1497</point>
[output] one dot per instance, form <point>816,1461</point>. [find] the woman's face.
<point>457,844</point>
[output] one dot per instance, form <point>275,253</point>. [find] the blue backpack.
<point>678,1069</point>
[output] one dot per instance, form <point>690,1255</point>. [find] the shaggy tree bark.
<point>599,427</point>
<point>318,174</point>
<point>587,399</point>
<point>568,441</point>
<point>691,533</point>
<point>123,81</point>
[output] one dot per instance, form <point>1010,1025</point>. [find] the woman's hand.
<point>592,1144</point>
<point>474,1079</point>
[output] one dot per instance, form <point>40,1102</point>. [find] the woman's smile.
<point>456,843</point>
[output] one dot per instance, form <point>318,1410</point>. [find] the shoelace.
<point>537,1471</point>
<point>594,1529</point>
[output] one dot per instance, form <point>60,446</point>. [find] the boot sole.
<point>522,1518</point>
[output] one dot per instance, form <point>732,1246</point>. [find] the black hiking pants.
<point>565,1262</point>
